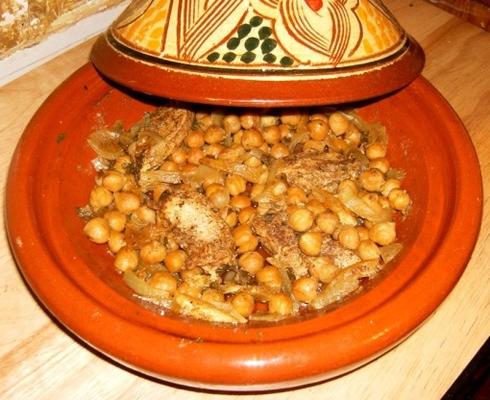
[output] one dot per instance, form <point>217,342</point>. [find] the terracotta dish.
<point>51,175</point>
<point>259,52</point>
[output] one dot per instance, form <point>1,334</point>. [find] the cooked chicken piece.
<point>200,231</point>
<point>279,239</point>
<point>162,132</point>
<point>341,256</point>
<point>319,170</point>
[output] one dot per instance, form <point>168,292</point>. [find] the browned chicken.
<point>341,256</point>
<point>199,230</point>
<point>279,239</point>
<point>162,131</point>
<point>319,170</point>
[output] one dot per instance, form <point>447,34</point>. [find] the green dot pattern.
<point>252,41</point>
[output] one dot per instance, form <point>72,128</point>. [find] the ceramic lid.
<point>259,52</point>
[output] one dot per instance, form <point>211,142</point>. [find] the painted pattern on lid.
<point>260,34</point>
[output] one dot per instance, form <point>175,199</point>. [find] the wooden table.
<point>40,360</point>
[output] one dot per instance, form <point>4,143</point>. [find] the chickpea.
<point>301,219</point>
<point>399,199</point>
<point>250,245</point>
<point>305,289</point>
<point>271,134</point>
<point>146,215</point>
<point>214,134</point>
<point>126,258</point>
<point>316,206</point>
<point>279,150</point>
<point>249,121</point>
<point>240,201</point>
<point>246,214</point>
<point>213,150</point>
<point>253,162</point>
<point>310,243</point>
<point>384,202</point>
<point>353,136</point>
<point>194,156</point>
<point>338,123</point>
<point>179,156</point>
<point>194,139</point>
<point>257,190</point>
<point>243,303</point>
<point>213,187</point>
<point>347,186</point>
<point>363,232</point>
<point>381,164</point>
<point>127,202</point>
<point>237,137</point>
<point>174,260</point>
<point>251,139</point>
<point>269,276</point>
<point>153,252</point>
<point>268,120</point>
<point>279,188</point>
<point>231,123</point>
<point>368,250</point>
<point>251,262</point>
<point>371,199</point>
<point>349,237</point>
<point>291,117</point>
<point>113,181</point>
<point>280,304</point>
<point>231,219</point>
<point>116,220</point>
<point>318,129</point>
<point>204,120</point>
<point>383,233</point>
<point>327,222</point>
<point>242,234</point>
<point>319,116</point>
<point>163,280</point>
<point>323,269</point>
<point>376,150</point>
<point>116,241</point>
<point>217,178</point>
<point>372,180</point>
<point>338,145</point>
<point>97,230</point>
<point>285,131</point>
<point>100,197</point>
<point>219,198</point>
<point>296,195</point>
<point>235,184</point>
<point>389,185</point>
<point>265,148</point>
<point>122,163</point>
<point>212,296</point>
<point>169,166</point>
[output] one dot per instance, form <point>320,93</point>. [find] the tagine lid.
<point>259,52</point>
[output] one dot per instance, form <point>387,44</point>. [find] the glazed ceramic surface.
<point>51,175</point>
<point>261,34</point>
<point>224,45</point>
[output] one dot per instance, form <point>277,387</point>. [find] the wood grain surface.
<point>40,360</point>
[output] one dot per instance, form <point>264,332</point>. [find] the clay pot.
<point>258,52</point>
